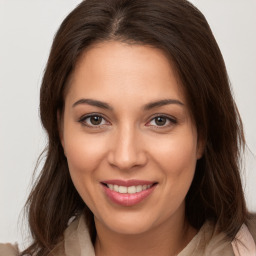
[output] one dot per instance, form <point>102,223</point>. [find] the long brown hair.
<point>182,32</point>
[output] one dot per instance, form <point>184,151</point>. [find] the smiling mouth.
<point>128,193</point>
<point>128,190</point>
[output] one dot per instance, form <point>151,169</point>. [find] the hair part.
<point>182,32</point>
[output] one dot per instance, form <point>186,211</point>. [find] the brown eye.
<point>95,120</point>
<point>160,120</point>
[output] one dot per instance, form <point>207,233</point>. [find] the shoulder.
<point>208,242</point>
<point>9,250</point>
<point>251,224</point>
<point>215,243</point>
<point>244,242</point>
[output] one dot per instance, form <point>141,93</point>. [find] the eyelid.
<point>171,119</point>
<point>84,117</point>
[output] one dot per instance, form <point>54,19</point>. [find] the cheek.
<point>176,152</point>
<point>83,157</point>
<point>83,152</point>
<point>176,159</point>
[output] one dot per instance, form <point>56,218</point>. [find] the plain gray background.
<point>27,28</point>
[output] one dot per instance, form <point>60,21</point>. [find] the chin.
<point>128,223</point>
<point>130,229</point>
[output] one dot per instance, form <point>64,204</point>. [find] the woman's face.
<point>128,136</point>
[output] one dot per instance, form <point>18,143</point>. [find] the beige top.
<point>207,242</point>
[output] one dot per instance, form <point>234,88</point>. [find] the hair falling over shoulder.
<point>182,32</point>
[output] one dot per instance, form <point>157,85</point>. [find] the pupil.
<point>160,121</point>
<point>96,120</point>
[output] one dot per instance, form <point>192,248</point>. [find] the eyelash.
<point>82,120</point>
<point>171,120</point>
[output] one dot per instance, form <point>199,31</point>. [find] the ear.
<point>60,128</point>
<point>200,147</point>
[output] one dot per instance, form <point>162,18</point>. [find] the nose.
<point>127,149</point>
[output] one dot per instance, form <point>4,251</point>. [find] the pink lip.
<point>128,183</point>
<point>127,199</point>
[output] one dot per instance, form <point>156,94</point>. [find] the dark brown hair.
<point>182,32</point>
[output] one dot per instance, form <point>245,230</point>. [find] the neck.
<point>168,238</point>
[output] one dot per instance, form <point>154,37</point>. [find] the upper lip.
<point>128,183</point>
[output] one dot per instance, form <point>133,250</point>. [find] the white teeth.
<point>139,188</point>
<point>129,190</point>
<point>122,189</point>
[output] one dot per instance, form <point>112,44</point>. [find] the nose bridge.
<point>126,151</point>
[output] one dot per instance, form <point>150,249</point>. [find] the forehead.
<point>113,69</point>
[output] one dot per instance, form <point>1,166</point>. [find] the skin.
<point>130,144</point>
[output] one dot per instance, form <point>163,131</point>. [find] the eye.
<point>161,121</point>
<point>93,120</point>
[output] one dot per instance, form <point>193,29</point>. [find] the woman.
<point>144,138</point>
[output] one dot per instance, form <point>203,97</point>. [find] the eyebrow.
<point>148,106</point>
<point>161,103</point>
<point>95,103</point>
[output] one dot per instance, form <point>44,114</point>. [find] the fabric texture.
<point>207,242</point>
<point>9,250</point>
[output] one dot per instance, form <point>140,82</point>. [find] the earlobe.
<point>60,129</point>
<point>200,148</point>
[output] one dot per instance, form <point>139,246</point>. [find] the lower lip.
<point>128,199</point>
